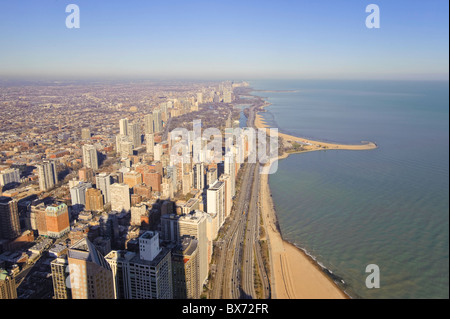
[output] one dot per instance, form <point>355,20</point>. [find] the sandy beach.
<point>294,275</point>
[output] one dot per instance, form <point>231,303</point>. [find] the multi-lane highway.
<point>239,247</point>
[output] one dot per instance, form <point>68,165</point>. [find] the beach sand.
<point>294,275</point>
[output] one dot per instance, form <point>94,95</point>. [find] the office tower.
<point>199,176</point>
<point>11,175</point>
<point>200,98</point>
<point>78,195</point>
<point>148,123</point>
<point>185,265</point>
<point>123,127</point>
<point>60,278</point>
<point>91,276</point>
<point>85,133</point>
<point>150,142</point>
<point>146,275</point>
<point>132,178</point>
<point>57,220</point>
<point>157,122</point>
<point>48,176</point>
<point>120,197</point>
<point>215,201</point>
<point>134,134</point>
<point>103,182</point>
<point>9,218</point>
<point>90,159</point>
<point>194,224</point>
<point>211,176</point>
<point>94,200</point>
<point>8,288</point>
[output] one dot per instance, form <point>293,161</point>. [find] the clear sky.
<point>245,39</point>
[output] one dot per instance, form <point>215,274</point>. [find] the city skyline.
<point>212,40</point>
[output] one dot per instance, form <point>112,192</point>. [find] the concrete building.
<point>94,200</point>
<point>90,158</point>
<point>11,175</point>
<point>215,201</point>
<point>8,288</point>
<point>78,195</point>
<point>60,277</point>
<point>146,275</point>
<point>185,265</point>
<point>120,197</point>
<point>48,177</point>
<point>9,218</point>
<point>103,181</point>
<point>194,224</point>
<point>91,276</point>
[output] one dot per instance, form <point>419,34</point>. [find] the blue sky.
<point>245,39</point>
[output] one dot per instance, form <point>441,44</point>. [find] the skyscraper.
<point>57,220</point>
<point>148,123</point>
<point>9,218</point>
<point>90,158</point>
<point>150,142</point>
<point>103,182</point>
<point>134,134</point>
<point>94,200</point>
<point>199,176</point>
<point>185,264</point>
<point>120,197</point>
<point>60,278</point>
<point>78,195</point>
<point>123,126</point>
<point>215,201</point>
<point>157,122</point>
<point>146,275</point>
<point>91,276</point>
<point>194,224</point>
<point>48,176</point>
<point>86,133</point>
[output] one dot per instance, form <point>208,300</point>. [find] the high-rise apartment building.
<point>215,201</point>
<point>102,182</point>
<point>123,127</point>
<point>78,195</point>
<point>94,200</point>
<point>157,121</point>
<point>194,224</point>
<point>90,158</point>
<point>9,218</point>
<point>134,134</point>
<point>150,142</point>
<point>47,174</point>
<point>120,197</point>
<point>11,175</point>
<point>148,123</point>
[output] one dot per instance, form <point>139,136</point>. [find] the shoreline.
<point>295,274</point>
